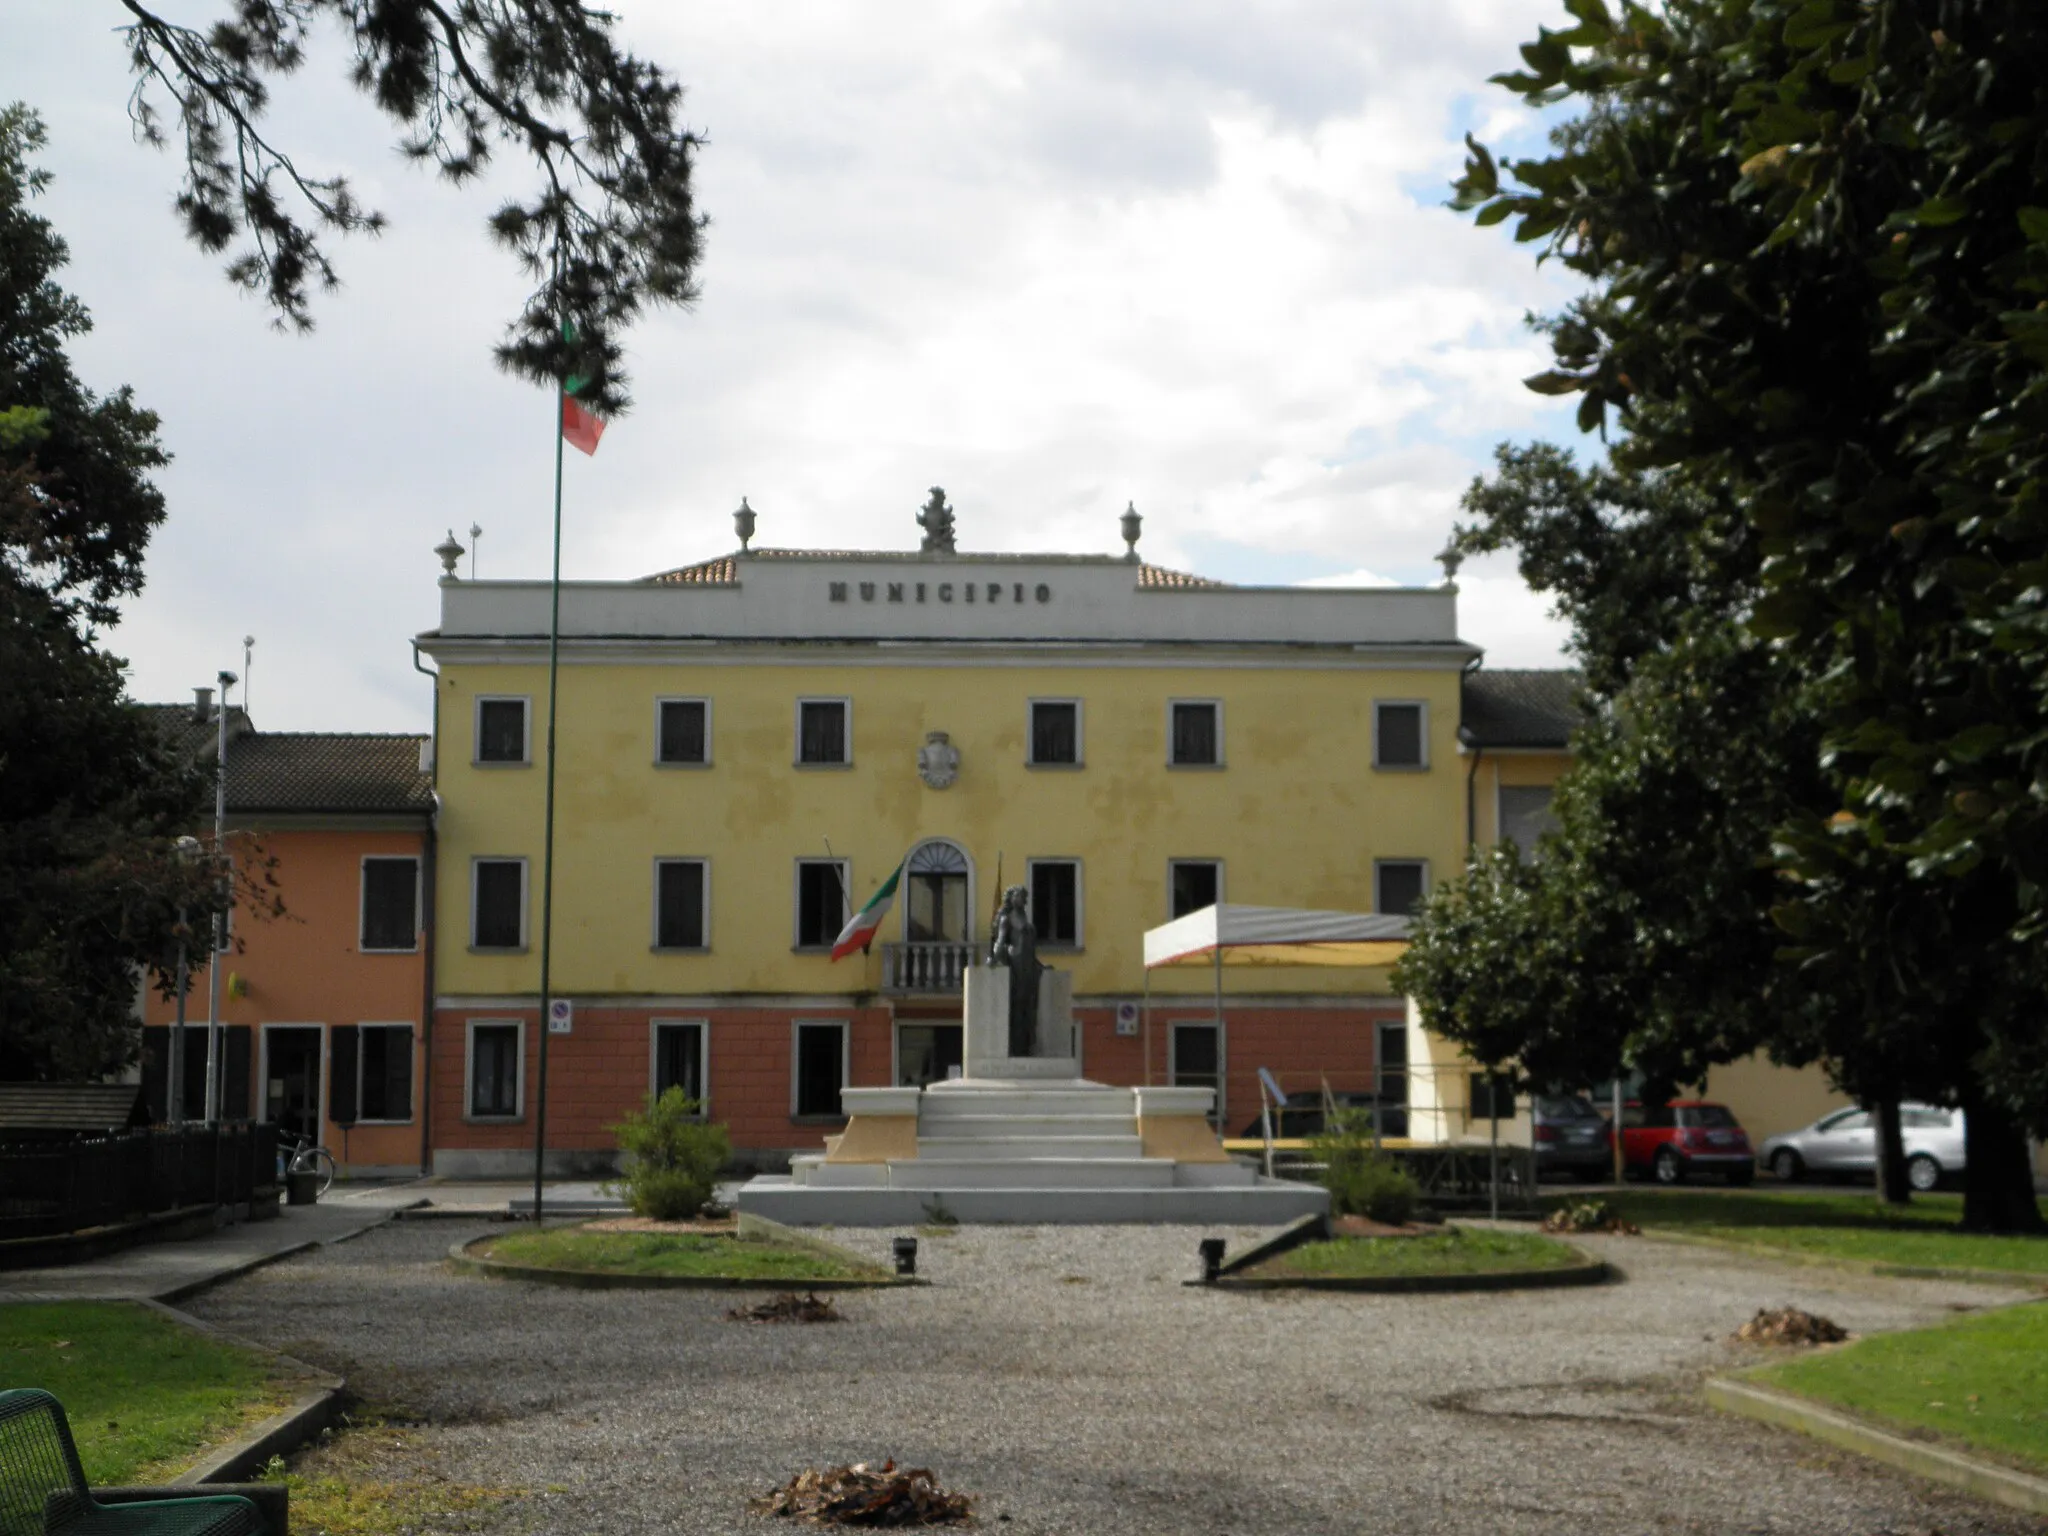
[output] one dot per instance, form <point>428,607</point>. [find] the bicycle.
<point>302,1155</point>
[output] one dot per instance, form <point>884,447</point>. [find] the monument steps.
<point>943,1102</point>
<point>993,1148</point>
<point>1033,1173</point>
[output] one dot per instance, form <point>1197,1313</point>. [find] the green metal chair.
<point>43,1492</point>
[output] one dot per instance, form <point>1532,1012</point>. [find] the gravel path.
<point>1067,1377</point>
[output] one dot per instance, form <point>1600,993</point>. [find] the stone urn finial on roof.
<point>450,552</point>
<point>743,524</point>
<point>1131,522</point>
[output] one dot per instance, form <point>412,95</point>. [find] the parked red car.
<point>1670,1142</point>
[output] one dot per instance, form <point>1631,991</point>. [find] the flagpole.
<point>547,863</point>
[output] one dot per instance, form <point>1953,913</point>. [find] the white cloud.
<point>1052,256</point>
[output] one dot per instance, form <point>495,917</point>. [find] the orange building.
<point>325,1007</point>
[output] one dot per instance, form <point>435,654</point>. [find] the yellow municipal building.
<point>748,746</point>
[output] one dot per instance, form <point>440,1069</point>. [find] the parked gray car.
<point>1844,1144</point>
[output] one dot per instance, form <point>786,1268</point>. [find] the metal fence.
<point>50,1188</point>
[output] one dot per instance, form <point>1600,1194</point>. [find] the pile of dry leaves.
<point>864,1495</point>
<point>1589,1216</point>
<point>1789,1325</point>
<point>788,1307</point>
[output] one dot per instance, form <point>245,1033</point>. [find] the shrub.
<point>1362,1179</point>
<point>672,1158</point>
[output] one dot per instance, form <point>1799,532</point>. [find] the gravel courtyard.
<point>1069,1379</point>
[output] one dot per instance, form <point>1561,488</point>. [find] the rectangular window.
<point>1493,1096</point>
<point>497,904</point>
<point>1056,902</point>
<point>1197,1056</point>
<point>1055,733</point>
<point>1398,737</point>
<point>1193,884</point>
<point>1525,814</point>
<point>1390,1079</point>
<point>1399,885</point>
<point>820,902</point>
<point>1197,734</point>
<point>682,732</point>
<point>391,904</point>
<point>822,737</point>
<point>926,1053</point>
<point>820,1071</point>
<point>495,1052</point>
<point>679,1058</point>
<point>501,735</point>
<point>385,1054</point>
<point>681,896</point>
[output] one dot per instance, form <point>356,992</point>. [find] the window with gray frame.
<point>391,904</point>
<point>821,734</point>
<point>1055,733</point>
<point>500,730</point>
<point>682,732</point>
<point>1056,902</point>
<point>1193,884</point>
<point>498,904</point>
<point>1525,814</point>
<point>1197,734</point>
<point>494,1071</point>
<point>820,902</point>
<point>680,902</point>
<point>1399,885</point>
<point>679,1058</point>
<point>820,1070</point>
<point>1397,739</point>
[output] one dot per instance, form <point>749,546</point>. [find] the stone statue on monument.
<point>936,519</point>
<point>1015,944</point>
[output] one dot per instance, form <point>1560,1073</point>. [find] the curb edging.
<point>2001,1485</point>
<point>604,1280</point>
<point>1592,1272</point>
<point>2016,1279</point>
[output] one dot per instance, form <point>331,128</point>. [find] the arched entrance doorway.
<point>938,945</point>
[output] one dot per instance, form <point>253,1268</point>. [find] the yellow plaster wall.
<point>1183,1138</point>
<point>873,1139</point>
<point>1298,813</point>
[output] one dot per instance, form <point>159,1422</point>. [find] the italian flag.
<point>580,428</point>
<point>860,929</point>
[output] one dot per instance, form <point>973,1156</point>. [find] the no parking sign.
<point>561,1016</point>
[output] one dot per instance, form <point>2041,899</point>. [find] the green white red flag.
<point>581,428</point>
<point>861,928</point>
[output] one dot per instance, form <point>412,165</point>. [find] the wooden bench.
<point>43,1490</point>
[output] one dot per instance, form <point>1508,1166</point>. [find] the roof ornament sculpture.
<point>450,552</point>
<point>743,524</point>
<point>1450,557</point>
<point>1131,522</point>
<point>936,519</point>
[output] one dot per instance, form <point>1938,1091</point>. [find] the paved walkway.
<point>165,1271</point>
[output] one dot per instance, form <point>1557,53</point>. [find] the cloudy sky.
<point>1054,257</point>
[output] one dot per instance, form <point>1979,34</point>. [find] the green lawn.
<point>1846,1226</point>
<point>697,1255</point>
<point>144,1396</point>
<point>1459,1251</point>
<point>1982,1380</point>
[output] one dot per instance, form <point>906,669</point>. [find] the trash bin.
<point>302,1187</point>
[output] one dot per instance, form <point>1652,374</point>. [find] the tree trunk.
<point>1892,1188</point>
<point>1999,1193</point>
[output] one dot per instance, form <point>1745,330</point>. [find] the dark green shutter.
<point>234,1101</point>
<point>341,1081</point>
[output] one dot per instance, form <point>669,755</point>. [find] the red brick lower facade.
<point>749,1054</point>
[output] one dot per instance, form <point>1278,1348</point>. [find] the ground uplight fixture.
<point>905,1249</point>
<point>1211,1249</point>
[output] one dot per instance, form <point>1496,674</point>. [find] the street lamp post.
<point>217,934</point>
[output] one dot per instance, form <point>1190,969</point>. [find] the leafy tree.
<point>611,228</point>
<point>91,798</point>
<point>1816,264</point>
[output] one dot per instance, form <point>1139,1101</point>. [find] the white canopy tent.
<point>1237,935</point>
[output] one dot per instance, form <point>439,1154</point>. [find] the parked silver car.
<point>1845,1143</point>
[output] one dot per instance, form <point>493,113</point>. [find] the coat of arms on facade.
<point>938,760</point>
